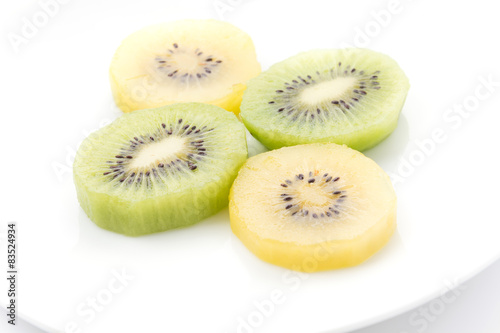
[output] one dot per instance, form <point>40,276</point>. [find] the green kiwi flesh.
<point>344,96</point>
<point>158,169</point>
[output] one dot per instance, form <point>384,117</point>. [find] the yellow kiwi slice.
<point>205,61</point>
<point>313,207</point>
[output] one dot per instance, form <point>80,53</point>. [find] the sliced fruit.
<point>312,207</point>
<point>347,96</point>
<point>159,169</point>
<point>205,61</point>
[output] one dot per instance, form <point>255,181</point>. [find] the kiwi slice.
<point>345,96</point>
<point>312,207</point>
<point>158,169</point>
<point>205,61</point>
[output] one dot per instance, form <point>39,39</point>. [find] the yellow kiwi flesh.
<point>206,61</point>
<point>313,207</point>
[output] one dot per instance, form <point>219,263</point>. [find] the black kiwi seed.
<point>289,196</point>
<point>186,77</point>
<point>119,167</point>
<point>290,91</point>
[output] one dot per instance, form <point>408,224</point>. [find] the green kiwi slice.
<point>159,169</point>
<point>344,96</point>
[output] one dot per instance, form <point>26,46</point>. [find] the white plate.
<point>202,279</point>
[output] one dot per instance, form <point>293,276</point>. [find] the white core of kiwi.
<point>312,196</point>
<point>152,153</point>
<point>327,90</point>
<point>186,62</point>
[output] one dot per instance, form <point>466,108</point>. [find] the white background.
<point>55,91</point>
<point>475,310</point>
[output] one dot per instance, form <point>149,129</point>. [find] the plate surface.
<point>75,277</point>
